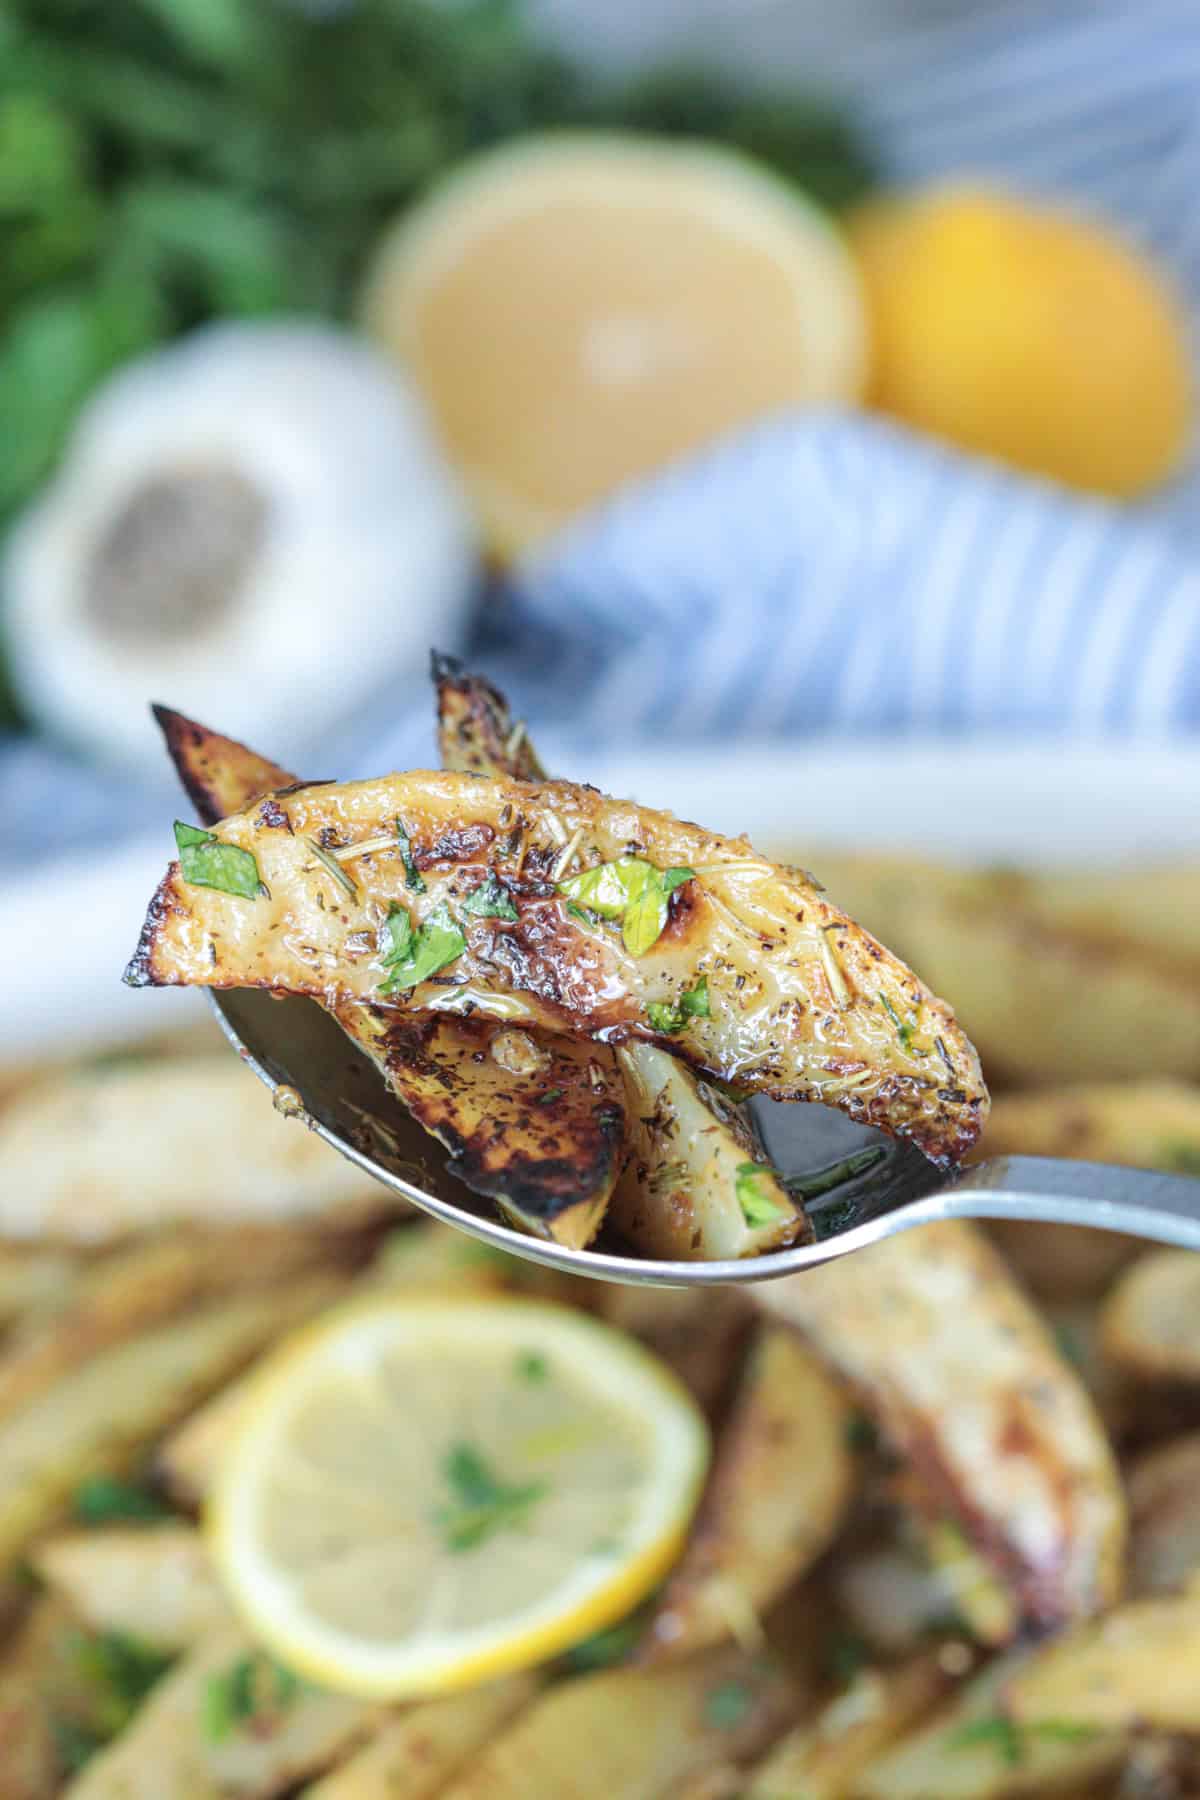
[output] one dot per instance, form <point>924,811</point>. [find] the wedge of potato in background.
<point>997,1430</point>
<point>154,1583</point>
<point>781,1481</point>
<point>91,1156</point>
<point>633,1732</point>
<point>1164,1497</point>
<point>414,1754</point>
<point>1043,1003</point>
<point>179,1747</point>
<point>823,1758</point>
<point>95,1419</point>
<point>1150,1322</point>
<point>970,1749</point>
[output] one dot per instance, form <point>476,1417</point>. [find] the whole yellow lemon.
<point>1025,334</point>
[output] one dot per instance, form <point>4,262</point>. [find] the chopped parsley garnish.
<point>204,861</point>
<point>605,1648</point>
<point>118,1672</point>
<point>758,1208</point>
<point>693,1004</point>
<point>482,1503</point>
<point>413,956</point>
<point>631,890</point>
<point>550,1096</point>
<point>1010,1739</point>
<point>903,1032</point>
<point>491,900</point>
<point>254,1687</point>
<point>862,1434</point>
<point>413,877</point>
<point>1180,1158</point>
<point>532,1366</point>
<point>102,1499</point>
<point>727,1706</point>
<point>75,1743</point>
<point>846,1655</point>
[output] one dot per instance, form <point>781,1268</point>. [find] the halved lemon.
<point>422,1493</point>
<point>583,306</point>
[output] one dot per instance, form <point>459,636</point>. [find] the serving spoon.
<point>857,1185</point>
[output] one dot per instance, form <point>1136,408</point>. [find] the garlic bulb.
<point>253,525</point>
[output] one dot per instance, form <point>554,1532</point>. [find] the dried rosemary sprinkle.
<point>344,880</point>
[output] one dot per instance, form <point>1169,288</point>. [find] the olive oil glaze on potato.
<point>550,904</point>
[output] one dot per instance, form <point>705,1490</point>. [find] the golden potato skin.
<point>805,1005</point>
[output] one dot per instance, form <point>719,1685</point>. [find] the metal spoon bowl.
<point>858,1185</point>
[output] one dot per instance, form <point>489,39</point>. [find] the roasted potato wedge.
<point>780,1486</point>
<point>97,1417</point>
<point>1150,1323</point>
<point>969,1389</point>
<point>30,1762</point>
<point>415,1754</point>
<point>1164,1497</point>
<point>633,1732</point>
<point>1156,908</point>
<point>972,1750</point>
<point>823,1758</point>
<point>34,1283</point>
<point>152,1281</point>
<point>91,1156</point>
<point>695,1186</point>
<point>172,1751</point>
<point>1137,1667</point>
<point>679,1195</point>
<point>1038,999</point>
<point>823,1014</point>
<point>475,729</point>
<point>155,1584</point>
<point>537,1122</point>
<point>545,1137</point>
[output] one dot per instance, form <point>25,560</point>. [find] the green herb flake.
<point>204,861</point>
<point>604,1649</point>
<point>1180,1158</point>
<point>482,1503</point>
<point>846,1656</point>
<point>102,1499</point>
<point>118,1671</point>
<point>582,914</point>
<point>995,1732</point>
<point>903,1032</point>
<point>862,1435</point>
<point>491,900</point>
<point>631,890</point>
<point>413,877</point>
<point>254,1687</point>
<point>75,1743</point>
<point>757,1206</point>
<point>728,1705</point>
<point>550,1096</point>
<point>416,955</point>
<point>532,1366</point>
<point>693,1004</point>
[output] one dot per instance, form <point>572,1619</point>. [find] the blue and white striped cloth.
<point>833,574</point>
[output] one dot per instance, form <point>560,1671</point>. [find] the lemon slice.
<point>582,307</point>
<point>423,1493</point>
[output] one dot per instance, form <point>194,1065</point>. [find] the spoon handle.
<point>1102,1195</point>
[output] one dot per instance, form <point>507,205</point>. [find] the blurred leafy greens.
<point>167,161</point>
